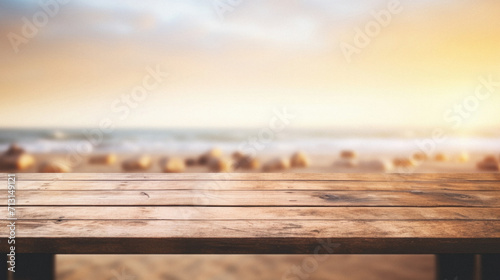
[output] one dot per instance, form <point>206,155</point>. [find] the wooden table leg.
<point>490,267</point>
<point>455,267</point>
<point>34,266</point>
<point>3,267</point>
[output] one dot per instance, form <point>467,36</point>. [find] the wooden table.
<point>453,215</point>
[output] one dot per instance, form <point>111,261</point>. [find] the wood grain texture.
<point>257,229</point>
<point>258,198</point>
<point>252,213</point>
<point>242,237</point>
<point>253,185</point>
<point>255,213</point>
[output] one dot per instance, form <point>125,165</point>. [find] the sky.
<point>230,64</point>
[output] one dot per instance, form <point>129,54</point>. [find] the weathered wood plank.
<point>253,213</point>
<point>258,198</point>
<point>256,213</point>
<point>252,185</point>
<point>373,177</point>
<point>256,229</point>
<point>273,245</point>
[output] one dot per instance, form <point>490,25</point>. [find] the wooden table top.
<point>254,213</point>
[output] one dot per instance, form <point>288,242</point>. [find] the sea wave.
<point>314,141</point>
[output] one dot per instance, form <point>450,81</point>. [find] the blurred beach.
<point>189,150</point>
<point>193,86</point>
<point>80,150</point>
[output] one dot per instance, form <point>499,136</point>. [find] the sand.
<point>318,163</point>
<point>242,267</point>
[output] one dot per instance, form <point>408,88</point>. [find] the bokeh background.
<point>249,86</point>
<point>229,66</point>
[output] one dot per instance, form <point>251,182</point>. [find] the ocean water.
<point>264,141</point>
